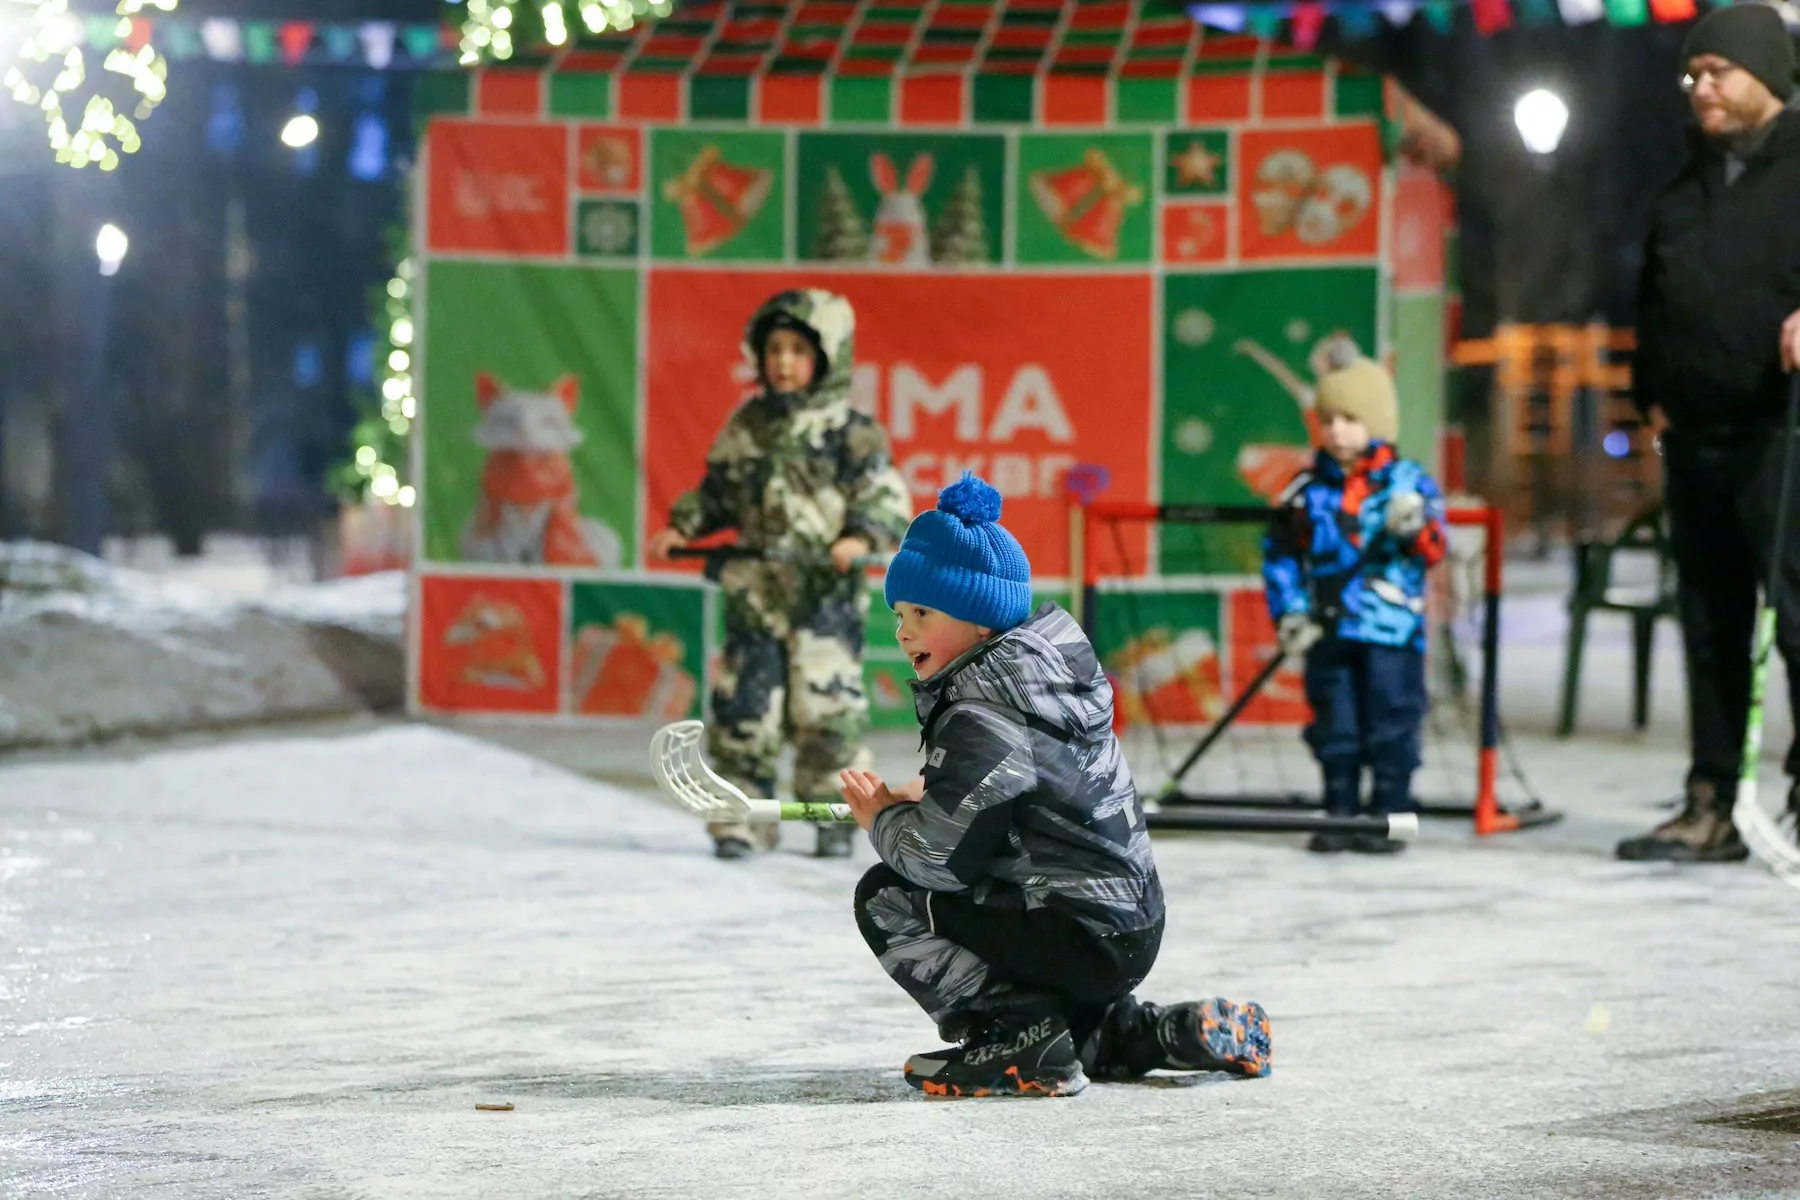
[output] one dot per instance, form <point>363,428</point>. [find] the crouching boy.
<point>1017,900</point>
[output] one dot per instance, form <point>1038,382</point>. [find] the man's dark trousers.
<point>1721,492</point>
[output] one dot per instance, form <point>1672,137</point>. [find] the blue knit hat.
<point>961,562</point>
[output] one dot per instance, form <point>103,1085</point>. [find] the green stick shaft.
<point>1759,684</point>
<point>1765,615</point>
<point>816,811</point>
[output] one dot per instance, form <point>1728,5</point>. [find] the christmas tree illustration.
<point>960,236</point>
<point>841,235</point>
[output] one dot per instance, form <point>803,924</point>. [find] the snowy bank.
<point>91,651</point>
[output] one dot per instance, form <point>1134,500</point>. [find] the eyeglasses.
<point>1716,75</point>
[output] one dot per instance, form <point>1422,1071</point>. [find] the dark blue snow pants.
<point>1368,705</point>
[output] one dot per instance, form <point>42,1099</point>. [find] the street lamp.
<point>1542,118</point>
<point>110,246</point>
<point>300,132</point>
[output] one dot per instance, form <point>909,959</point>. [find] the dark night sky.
<point>1558,241</point>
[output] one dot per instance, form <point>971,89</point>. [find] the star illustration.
<point>1198,166</point>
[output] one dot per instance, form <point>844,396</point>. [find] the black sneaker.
<point>1330,843</point>
<point>1216,1035</point>
<point>835,841</point>
<point>1016,1056</point>
<point>1376,843</point>
<point>731,848</point>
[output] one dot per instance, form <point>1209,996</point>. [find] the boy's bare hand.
<point>664,541</point>
<point>867,796</point>
<point>846,550</point>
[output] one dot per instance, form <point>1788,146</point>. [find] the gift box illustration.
<point>625,670</point>
<point>1167,678</point>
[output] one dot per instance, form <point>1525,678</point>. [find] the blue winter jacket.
<point>1313,555</point>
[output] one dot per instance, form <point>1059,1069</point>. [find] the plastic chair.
<point>1595,591</point>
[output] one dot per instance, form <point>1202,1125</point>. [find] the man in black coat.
<point>1718,332</point>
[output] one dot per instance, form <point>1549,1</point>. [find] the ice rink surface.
<point>293,966</point>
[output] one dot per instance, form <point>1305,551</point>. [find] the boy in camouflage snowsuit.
<point>798,472</point>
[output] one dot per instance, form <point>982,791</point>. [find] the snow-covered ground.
<point>294,966</point>
<point>90,650</point>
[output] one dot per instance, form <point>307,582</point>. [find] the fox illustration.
<point>527,512</point>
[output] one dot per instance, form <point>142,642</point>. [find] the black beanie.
<point>1751,35</point>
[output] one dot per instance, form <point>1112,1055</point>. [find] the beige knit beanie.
<point>1362,391</point>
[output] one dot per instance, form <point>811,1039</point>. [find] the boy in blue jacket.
<point>1344,567</point>
<point>1016,899</point>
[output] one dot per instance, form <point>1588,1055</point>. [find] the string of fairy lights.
<point>51,70</point>
<point>491,30</point>
<point>51,73</point>
<point>378,470</point>
<point>54,71</point>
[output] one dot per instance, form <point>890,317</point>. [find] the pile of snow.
<point>89,650</point>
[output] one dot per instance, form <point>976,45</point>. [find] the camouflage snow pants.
<point>792,671</point>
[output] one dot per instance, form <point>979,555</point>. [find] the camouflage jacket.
<point>1028,802</point>
<point>798,473</point>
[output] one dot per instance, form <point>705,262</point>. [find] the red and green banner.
<point>1139,281</point>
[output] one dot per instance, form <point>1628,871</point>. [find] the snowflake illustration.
<point>1195,327</point>
<point>1298,331</point>
<point>610,230</point>
<point>1193,436</point>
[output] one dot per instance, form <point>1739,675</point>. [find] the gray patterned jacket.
<point>1028,802</point>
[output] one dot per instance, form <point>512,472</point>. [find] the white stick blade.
<point>684,777</point>
<point>1764,836</point>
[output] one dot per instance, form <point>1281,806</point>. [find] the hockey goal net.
<point>1182,648</point>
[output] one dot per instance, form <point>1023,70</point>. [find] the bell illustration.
<point>1087,203</point>
<point>716,199</point>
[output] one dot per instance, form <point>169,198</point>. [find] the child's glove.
<point>1406,515</point>
<point>1297,633</point>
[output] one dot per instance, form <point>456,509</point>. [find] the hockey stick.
<point>686,779</point>
<point>1329,616</point>
<point>1758,829</point>
<point>1399,827</point>
<point>722,554</point>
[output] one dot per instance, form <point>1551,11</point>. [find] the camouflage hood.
<point>831,320</point>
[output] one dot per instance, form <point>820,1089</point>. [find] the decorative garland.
<point>378,466</point>
<point>492,29</point>
<point>53,67</point>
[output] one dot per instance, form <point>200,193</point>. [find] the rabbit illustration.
<point>900,220</point>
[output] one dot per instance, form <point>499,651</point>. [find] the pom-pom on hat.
<point>959,560</point>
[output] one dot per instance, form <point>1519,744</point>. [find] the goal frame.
<point>1485,810</point>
